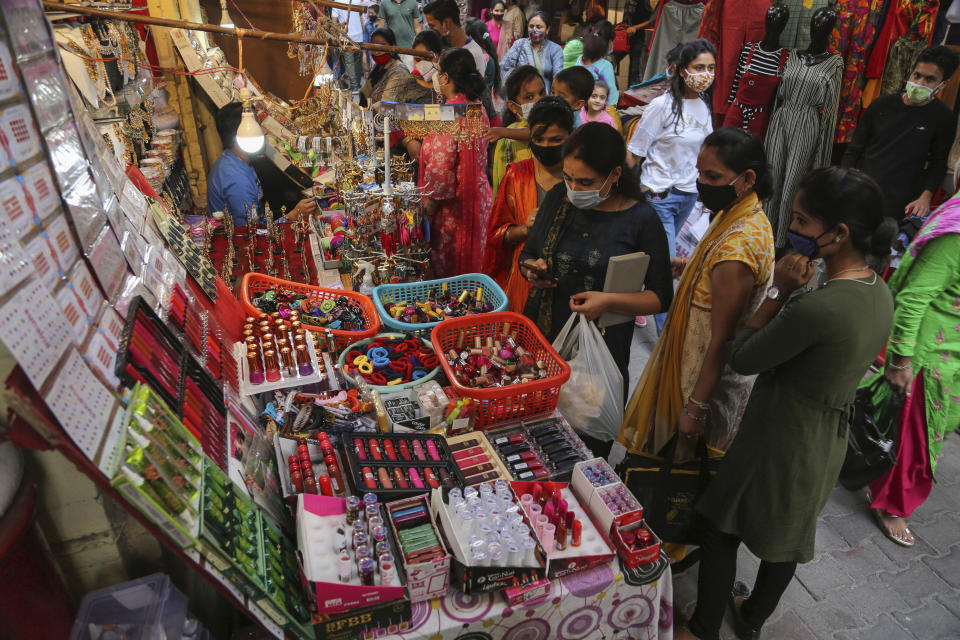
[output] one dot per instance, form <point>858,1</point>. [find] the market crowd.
<point>770,325</point>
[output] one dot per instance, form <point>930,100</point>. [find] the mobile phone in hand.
<point>542,274</point>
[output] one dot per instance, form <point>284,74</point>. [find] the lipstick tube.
<point>374,447</point>
<point>399,479</point>
<point>432,450</point>
<point>577,532</point>
<point>547,537</point>
<point>418,451</point>
<point>368,479</point>
<point>415,479</point>
<point>326,488</point>
<point>334,470</point>
<point>359,449</point>
<point>389,449</point>
<point>384,476</point>
<point>561,537</point>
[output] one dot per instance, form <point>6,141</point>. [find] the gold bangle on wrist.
<point>703,406</point>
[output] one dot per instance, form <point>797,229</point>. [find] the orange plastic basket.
<point>256,283</point>
<point>502,404</point>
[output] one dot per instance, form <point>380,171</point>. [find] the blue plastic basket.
<point>388,294</point>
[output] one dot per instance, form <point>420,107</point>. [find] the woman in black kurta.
<point>574,242</point>
<point>811,351</point>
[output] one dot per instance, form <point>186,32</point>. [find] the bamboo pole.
<point>230,31</point>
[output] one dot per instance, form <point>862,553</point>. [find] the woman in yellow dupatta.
<point>686,378</point>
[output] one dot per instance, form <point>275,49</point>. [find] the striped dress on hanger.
<point>800,136</point>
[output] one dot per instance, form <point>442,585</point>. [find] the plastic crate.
<point>502,404</point>
<point>361,345</point>
<point>147,608</point>
<point>256,283</point>
<point>387,294</point>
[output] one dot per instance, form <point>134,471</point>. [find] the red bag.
<point>621,39</point>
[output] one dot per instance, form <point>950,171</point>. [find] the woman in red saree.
<point>453,173</point>
<point>521,190</point>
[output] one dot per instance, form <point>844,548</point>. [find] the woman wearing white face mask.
<point>596,212</point>
<point>668,139</point>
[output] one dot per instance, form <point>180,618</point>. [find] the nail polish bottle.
<point>256,368</point>
<point>304,366</point>
<point>273,371</point>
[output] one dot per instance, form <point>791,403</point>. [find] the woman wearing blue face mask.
<point>595,213</point>
<point>535,50</point>
<point>810,351</point>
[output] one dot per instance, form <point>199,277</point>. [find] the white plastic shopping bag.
<point>592,399</point>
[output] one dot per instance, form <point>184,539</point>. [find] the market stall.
<point>379,456</point>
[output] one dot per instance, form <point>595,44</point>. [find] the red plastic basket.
<point>502,404</point>
<point>256,283</point>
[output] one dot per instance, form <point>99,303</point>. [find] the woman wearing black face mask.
<point>522,189</point>
<point>686,383</point>
<point>810,352</point>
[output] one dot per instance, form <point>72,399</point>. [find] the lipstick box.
<point>424,580</point>
<point>631,556</point>
<point>317,519</point>
<point>472,579</point>
<point>366,454</point>
<point>594,548</point>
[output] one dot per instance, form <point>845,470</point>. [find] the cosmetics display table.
<point>604,602</point>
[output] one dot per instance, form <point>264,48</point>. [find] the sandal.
<point>906,539</point>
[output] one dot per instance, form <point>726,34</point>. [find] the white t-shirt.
<point>354,23</point>
<point>670,153</point>
<point>477,52</point>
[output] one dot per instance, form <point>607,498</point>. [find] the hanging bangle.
<point>898,367</point>
<point>703,406</point>
<point>693,417</point>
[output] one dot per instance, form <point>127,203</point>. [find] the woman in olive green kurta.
<point>810,353</point>
<point>925,343</point>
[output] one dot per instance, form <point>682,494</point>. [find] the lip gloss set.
<point>539,451</point>
<point>400,464</point>
<point>278,350</point>
<point>362,545</point>
<point>552,518</point>
<point>321,477</point>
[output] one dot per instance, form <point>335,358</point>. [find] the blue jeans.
<point>674,208</point>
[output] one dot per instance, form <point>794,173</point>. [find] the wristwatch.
<point>773,293</point>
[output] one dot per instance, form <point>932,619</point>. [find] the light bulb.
<point>249,134</point>
<point>225,20</point>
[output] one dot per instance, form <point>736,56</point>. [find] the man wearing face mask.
<point>444,16</point>
<point>902,140</point>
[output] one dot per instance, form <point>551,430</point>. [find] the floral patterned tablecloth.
<point>603,603</point>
